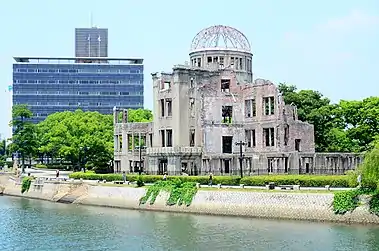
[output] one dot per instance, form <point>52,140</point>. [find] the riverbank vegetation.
<point>261,180</point>
<point>348,201</point>
<point>25,185</point>
<point>181,192</point>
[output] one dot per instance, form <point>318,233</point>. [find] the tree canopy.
<point>79,138</point>
<point>349,126</point>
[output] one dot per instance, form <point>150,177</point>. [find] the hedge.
<point>302,180</point>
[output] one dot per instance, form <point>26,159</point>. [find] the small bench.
<point>118,182</point>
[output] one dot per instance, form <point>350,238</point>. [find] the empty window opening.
<point>209,60</point>
<point>191,82</point>
<point>131,166</point>
<point>215,59</point>
<point>269,105</point>
<point>151,139</point>
<point>162,108</point>
<point>162,166</point>
<point>162,134</point>
<point>199,62</point>
<point>184,167</point>
<point>225,85</point>
<point>227,112</point>
<point>270,165</point>
<point>192,107</point>
<point>226,165</point>
<point>268,136</point>
<point>232,61</point>
<point>297,145</point>
<point>169,138</point>
<point>286,134</point>
<point>192,137</point>
<point>240,64</point>
<point>250,108</point>
<point>250,138</point>
<point>169,107</point>
<point>306,167</point>
<point>221,62</point>
<point>286,165</point>
<point>120,143</point>
<point>130,142</point>
<point>227,144</point>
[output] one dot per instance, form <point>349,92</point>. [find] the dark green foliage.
<point>345,201</point>
<point>180,192</point>
<point>26,182</point>
<point>140,182</point>
<point>374,203</point>
<point>303,180</point>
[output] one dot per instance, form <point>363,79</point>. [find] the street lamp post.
<point>240,144</point>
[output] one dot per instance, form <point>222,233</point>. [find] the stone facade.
<point>209,115</point>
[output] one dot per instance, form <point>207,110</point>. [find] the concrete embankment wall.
<point>280,205</point>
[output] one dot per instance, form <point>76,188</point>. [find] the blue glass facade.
<point>48,88</point>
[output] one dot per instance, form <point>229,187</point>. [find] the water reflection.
<point>40,225</point>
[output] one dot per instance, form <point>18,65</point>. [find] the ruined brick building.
<point>204,109</point>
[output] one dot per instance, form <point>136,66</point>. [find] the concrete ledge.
<point>278,205</point>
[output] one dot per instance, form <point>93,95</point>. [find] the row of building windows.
<point>85,70</point>
<point>26,92</point>
<point>127,81</point>
<point>81,104</point>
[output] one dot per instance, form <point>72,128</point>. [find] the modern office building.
<point>48,85</point>
<point>91,42</point>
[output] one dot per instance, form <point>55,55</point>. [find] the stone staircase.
<point>71,196</point>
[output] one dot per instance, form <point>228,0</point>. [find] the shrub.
<point>374,203</point>
<point>140,182</point>
<point>303,180</point>
<point>40,166</point>
<point>26,182</point>
<point>345,201</point>
<point>370,169</point>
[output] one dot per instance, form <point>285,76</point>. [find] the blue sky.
<point>330,46</point>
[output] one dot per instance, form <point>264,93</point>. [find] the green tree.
<point>80,137</point>
<point>331,134</point>
<point>3,155</point>
<point>361,119</point>
<point>24,138</point>
<point>139,115</point>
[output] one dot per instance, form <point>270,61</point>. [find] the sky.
<point>329,46</point>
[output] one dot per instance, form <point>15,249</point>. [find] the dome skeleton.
<point>212,36</point>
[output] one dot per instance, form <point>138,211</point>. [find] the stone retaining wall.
<point>281,205</point>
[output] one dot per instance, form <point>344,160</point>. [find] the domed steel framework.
<point>220,36</point>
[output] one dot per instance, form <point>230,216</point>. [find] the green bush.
<point>140,182</point>
<point>345,201</point>
<point>26,182</point>
<point>374,203</point>
<point>302,180</point>
<point>40,166</point>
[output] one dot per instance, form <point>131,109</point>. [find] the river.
<point>40,225</point>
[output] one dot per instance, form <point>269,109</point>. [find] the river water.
<point>40,225</point>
